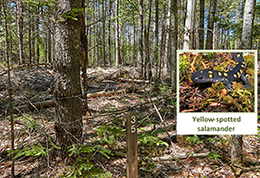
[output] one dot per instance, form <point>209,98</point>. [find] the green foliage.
<point>164,87</point>
<point>84,166</point>
<point>4,63</point>
<point>29,123</point>
<point>194,139</point>
<point>151,140</point>
<point>72,14</point>
<point>85,148</point>
<point>217,138</point>
<point>213,155</point>
<point>184,66</point>
<point>33,150</point>
<point>109,134</point>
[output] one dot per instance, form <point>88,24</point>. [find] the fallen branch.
<point>246,168</point>
<point>51,102</point>
<point>103,93</point>
<point>134,80</point>
<point>168,158</point>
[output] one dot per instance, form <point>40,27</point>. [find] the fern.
<point>84,167</point>
<point>33,150</point>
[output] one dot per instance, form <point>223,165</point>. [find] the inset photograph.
<point>216,81</point>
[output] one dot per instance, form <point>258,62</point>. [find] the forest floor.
<point>112,94</point>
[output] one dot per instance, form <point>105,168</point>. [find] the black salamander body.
<point>227,76</point>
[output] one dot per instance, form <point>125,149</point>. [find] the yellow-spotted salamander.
<point>227,76</point>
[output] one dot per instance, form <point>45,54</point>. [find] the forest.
<point>88,88</point>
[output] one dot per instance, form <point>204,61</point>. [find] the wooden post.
<point>131,141</point>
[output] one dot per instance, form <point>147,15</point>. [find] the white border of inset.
<point>200,123</point>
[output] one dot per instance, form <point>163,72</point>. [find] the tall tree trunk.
<point>38,38</point>
<point>117,33</point>
<point>9,88</point>
<point>167,42</point>
<point>201,26</point>
<point>68,120</point>
<point>49,46</point>
<point>237,21</point>
<point>237,152</point>
<point>19,10</point>
<point>189,22</point>
<point>246,40</point>
<point>140,37</point>
<point>104,31</point>
<point>212,11</point>
<point>147,65</point>
<point>173,44</point>
<point>134,47</point>
<point>109,34</point>
<point>163,39</point>
<point>33,39</point>
<point>84,59</point>
<point>156,34</point>
<point>30,35</point>
<point>246,43</point>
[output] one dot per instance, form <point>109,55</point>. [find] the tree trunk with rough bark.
<point>246,40</point>
<point>68,119</point>
<point>201,25</point>
<point>140,37</point>
<point>212,11</point>
<point>19,10</point>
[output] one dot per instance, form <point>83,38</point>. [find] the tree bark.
<point>156,34</point>
<point>246,43</point>
<point>140,37</point>
<point>163,41</point>
<point>189,21</point>
<point>38,38</point>
<point>212,11</point>
<point>104,31</point>
<point>9,89</point>
<point>109,34</point>
<point>147,63</point>
<point>84,59</point>
<point>68,120</point>
<point>201,25</point>
<point>173,44</point>
<point>117,34</point>
<point>236,152</point>
<point>19,10</point>
<point>246,40</point>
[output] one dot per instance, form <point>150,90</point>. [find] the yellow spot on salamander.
<point>238,74</point>
<point>225,74</point>
<point>201,71</point>
<point>210,72</point>
<point>243,62</point>
<point>210,75</point>
<point>235,75</point>
<point>243,66</point>
<point>238,55</point>
<point>241,71</point>
<point>219,73</point>
<point>226,79</point>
